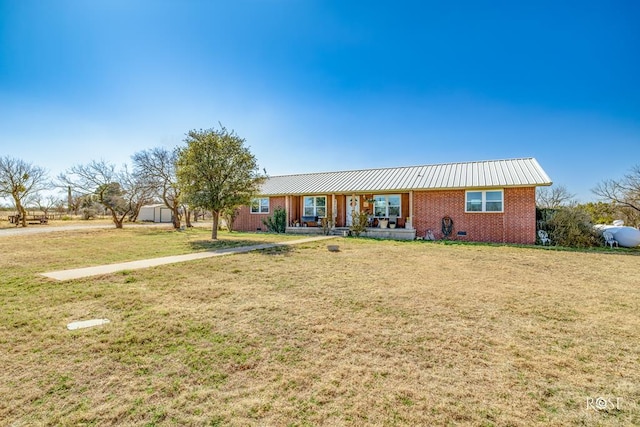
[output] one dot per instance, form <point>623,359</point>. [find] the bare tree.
<point>139,192</point>
<point>554,197</point>
<point>108,186</point>
<point>45,204</point>
<point>21,180</point>
<point>624,192</point>
<point>74,202</point>
<point>157,167</point>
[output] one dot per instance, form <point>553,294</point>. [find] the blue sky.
<point>327,85</point>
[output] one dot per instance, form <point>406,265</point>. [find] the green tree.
<point>216,171</point>
<point>600,212</point>
<point>21,180</point>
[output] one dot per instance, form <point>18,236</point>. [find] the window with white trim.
<point>386,205</point>
<point>315,206</point>
<point>260,205</point>
<point>485,201</point>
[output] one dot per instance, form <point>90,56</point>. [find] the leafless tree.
<point>138,190</point>
<point>109,187</point>
<point>20,181</point>
<point>624,192</point>
<point>45,204</point>
<point>554,197</point>
<point>157,168</point>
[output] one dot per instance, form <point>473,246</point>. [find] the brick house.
<point>486,201</point>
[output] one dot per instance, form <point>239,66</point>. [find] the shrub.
<point>572,227</point>
<point>229,215</point>
<point>88,213</point>
<point>326,223</point>
<point>359,221</point>
<point>276,223</point>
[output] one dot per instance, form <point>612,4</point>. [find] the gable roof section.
<point>524,172</point>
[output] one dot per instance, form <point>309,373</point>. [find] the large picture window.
<point>260,205</point>
<point>386,205</point>
<point>315,206</point>
<point>485,201</point>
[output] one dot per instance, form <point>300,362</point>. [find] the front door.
<point>353,205</point>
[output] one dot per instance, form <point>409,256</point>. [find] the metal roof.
<point>524,172</point>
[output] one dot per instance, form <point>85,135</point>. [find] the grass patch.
<point>381,333</point>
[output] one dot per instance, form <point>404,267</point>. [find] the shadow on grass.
<point>214,245</point>
<point>593,250</point>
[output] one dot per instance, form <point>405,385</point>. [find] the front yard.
<point>380,333</point>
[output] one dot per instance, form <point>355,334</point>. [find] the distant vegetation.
<point>571,224</point>
<point>217,174</point>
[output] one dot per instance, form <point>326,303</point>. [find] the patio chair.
<point>393,219</point>
<point>609,239</point>
<point>544,237</point>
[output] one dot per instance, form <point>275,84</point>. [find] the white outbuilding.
<point>155,213</point>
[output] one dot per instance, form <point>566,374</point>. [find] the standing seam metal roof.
<point>525,172</point>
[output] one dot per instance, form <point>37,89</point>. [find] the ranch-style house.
<point>484,201</point>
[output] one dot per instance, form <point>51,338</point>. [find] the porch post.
<point>334,208</point>
<point>410,225</point>
<point>287,205</point>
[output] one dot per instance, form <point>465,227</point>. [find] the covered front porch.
<point>387,215</point>
<point>393,210</point>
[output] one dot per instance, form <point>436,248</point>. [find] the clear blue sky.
<point>327,85</point>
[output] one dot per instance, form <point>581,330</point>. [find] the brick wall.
<point>247,221</point>
<point>515,225</point>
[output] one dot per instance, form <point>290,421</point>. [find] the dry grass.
<point>380,333</point>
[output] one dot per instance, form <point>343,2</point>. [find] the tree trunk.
<point>214,231</point>
<point>117,221</point>
<point>187,217</point>
<point>175,216</point>
<point>21,210</point>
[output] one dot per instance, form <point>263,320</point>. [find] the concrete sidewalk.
<point>79,273</point>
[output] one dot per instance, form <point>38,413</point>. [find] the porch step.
<point>339,231</point>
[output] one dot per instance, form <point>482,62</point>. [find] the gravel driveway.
<point>38,229</point>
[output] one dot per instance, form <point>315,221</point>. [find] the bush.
<point>229,215</point>
<point>572,227</point>
<point>359,221</point>
<point>88,213</point>
<point>276,223</point>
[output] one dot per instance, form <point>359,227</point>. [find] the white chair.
<point>544,237</point>
<point>609,239</point>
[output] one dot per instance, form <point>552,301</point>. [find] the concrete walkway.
<point>79,273</point>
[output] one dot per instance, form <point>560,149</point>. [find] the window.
<point>315,206</point>
<point>386,205</point>
<point>260,205</point>
<point>485,201</point>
